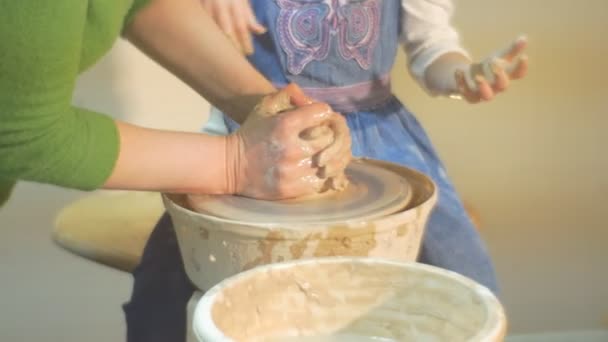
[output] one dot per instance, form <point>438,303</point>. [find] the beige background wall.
<point>532,162</point>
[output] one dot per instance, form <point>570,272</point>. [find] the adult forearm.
<point>183,38</point>
<point>170,161</point>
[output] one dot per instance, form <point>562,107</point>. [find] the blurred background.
<point>532,162</point>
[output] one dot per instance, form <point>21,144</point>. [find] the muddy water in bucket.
<point>348,299</point>
<point>383,216</point>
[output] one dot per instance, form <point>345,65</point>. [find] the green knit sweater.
<point>44,45</point>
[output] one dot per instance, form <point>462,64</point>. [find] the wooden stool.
<point>110,228</point>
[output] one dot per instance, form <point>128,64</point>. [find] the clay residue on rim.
<point>402,229</point>
<point>359,299</point>
<point>265,246</point>
<point>297,248</point>
<point>335,241</point>
<point>347,241</point>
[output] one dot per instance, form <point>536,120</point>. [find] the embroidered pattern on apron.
<point>307,28</point>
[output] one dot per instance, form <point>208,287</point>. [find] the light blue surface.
<point>215,123</point>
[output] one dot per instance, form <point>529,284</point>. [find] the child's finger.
<point>521,69</point>
<point>242,29</point>
<point>254,25</point>
<point>484,89</point>
<point>488,70</point>
<point>340,146</point>
<point>514,49</point>
<point>244,39</point>
<point>222,17</point>
<point>501,79</point>
<point>469,95</point>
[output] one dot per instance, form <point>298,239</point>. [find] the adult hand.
<point>237,20</point>
<point>274,155</point>
<point>484,80</point>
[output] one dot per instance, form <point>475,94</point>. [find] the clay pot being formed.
<point>349,300</point>
<point>215,248</point>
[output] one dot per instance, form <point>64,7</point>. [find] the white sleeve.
<point>427,33</point>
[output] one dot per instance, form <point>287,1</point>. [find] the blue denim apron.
<point>339,52</point>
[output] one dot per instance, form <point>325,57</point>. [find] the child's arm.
<point>440,64</point>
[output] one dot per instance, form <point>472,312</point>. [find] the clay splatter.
<point>265,247</point>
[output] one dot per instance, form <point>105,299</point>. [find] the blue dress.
<point>340,53</point>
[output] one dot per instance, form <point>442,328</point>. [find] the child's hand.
<point>237,20</point>
<point>486,79</point>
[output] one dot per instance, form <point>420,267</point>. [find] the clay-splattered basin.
<point>348,299</point>
<point>214,249</point>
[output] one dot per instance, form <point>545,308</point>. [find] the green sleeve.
<point>137,5</point>
<point>43,138</point>
<point>6,187</point>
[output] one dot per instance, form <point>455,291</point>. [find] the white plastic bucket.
<point>348,299</point>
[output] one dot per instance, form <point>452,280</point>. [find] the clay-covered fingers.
<point>335,167</point>
<point>270,159</point>
<point>302,118</point>
<point>273,104</point>
<point>336,148</point>
<point>326,138</point>
<point>301,121</point>
<point>340,147</point>
<point>279,146</point>
<point>294,172</point>
<point>316,139</point>
<point>287,98</point>
<point>335,151</point>
<point>313,133</point>
<point>296,179</point>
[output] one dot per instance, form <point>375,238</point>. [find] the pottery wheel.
<point>372,192</point>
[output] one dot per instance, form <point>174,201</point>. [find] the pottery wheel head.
<point>373,192</point>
